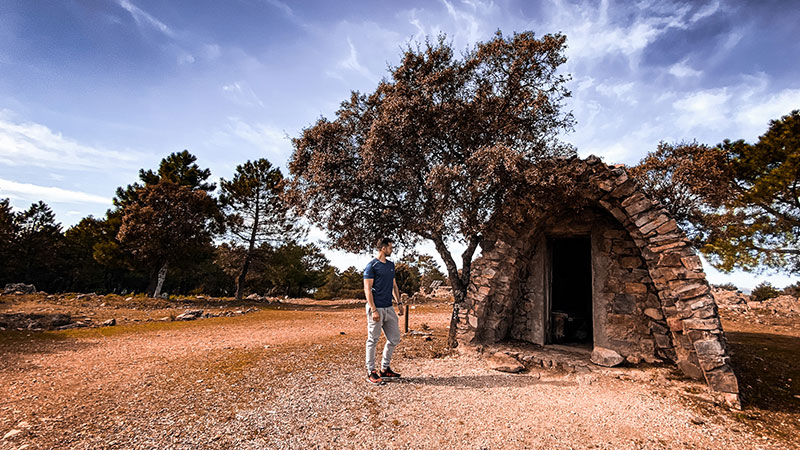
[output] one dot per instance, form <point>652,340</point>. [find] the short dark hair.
<point>383,242</point>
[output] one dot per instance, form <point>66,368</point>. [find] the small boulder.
<point>109,322</point>
<point>190,314</point>
<point>606,357</point>
<point>253,297</point>
<point>19,288</point>
<point>502,362</point>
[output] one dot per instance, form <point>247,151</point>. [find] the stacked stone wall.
<point>688,324</point>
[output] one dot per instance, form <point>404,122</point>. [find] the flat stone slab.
<point>606,357</point>
<point>504,363</point>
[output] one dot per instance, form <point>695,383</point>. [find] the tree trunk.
<point>162,274</point>
<point>458,283</point>
<point>240,280</point>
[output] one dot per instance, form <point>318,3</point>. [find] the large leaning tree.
<point>435,150</point>
<point>256,211</point>
<point>740,202</point>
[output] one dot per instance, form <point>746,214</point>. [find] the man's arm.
<point>368,292</point>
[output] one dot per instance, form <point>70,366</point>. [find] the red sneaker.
<point>373,377</point>
<point>389,373</point>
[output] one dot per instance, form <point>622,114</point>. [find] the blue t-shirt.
<point>383,284</point>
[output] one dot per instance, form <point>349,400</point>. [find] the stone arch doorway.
<point>654,298</point>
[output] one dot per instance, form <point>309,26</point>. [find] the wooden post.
<point>406,315</point>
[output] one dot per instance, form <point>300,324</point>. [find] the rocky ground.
<point>290,375</point>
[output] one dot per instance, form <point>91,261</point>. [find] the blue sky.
<point>93,90</point>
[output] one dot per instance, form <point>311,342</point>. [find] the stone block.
<point>692,263</point>
<point>653,313</point>
<point>669,246</point>
<point>662,340</point>
<point>635,288</point>
<point>653,224</point>
<point>690,370</point>
<point>667,227</point>
<point>624,304</point>
<point>606,357</point>
<point>675,323</point>
<point>701,324</point>
<point>638,207</point>
<point>722,379</point>
<point>669,260</point>
<point>710,348</point>
<point>624,190</point>
<point>631,262</point>
<point>656,327</point>
<point>689,290</point>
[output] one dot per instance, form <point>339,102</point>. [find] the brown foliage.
<point>168,223</point>
<point>437,149</point>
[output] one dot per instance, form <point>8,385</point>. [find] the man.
<point>379,287</point>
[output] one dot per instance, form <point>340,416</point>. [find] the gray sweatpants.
<point>389,323</point>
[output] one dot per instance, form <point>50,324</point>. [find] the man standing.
<point>379,287</point>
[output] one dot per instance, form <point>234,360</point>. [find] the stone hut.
<point>611,270</point>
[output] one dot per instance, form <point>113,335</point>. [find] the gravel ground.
<point>294,379</point>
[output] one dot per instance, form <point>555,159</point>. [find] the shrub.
<point>726,286</point>
<point>764,291</point>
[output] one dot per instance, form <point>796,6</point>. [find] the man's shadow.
<point>484,381</point>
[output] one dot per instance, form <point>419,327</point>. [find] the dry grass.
<point>291,376</point>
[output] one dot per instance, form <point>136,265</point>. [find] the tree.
<point>85,272</point>
<point>177,175</point>
<point>408,278</point>
<point>740,202</point>
<point>256,211</point>
<point>38,246</point>
<point>178,167</point>
<point>426,266</point>
<point>8,236</point>
<point>294,270</point>
<point>436,150</point>
<point>167,223</point>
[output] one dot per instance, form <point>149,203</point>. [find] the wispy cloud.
<point>48,194</point>
<point>143,19</point>
<point>241,92</point>
<point>262,136</point>
<point>32,144</point>
<point>683,70</point>
<point>351,62</point>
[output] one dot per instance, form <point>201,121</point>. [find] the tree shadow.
<point>484,381</point>
<point>16,345</point>
<point>768,368</point>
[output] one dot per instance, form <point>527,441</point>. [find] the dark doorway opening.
<point>571,290</point>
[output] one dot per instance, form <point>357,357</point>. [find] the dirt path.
<point>294,379</point>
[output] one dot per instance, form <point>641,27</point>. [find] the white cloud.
<point>212,51</point>
<point>682,70</point>
<point>707,11</point>
<point>185,58</point>
<point>754,118</point>
<point>620,91</point>
<point>48,194</point>
<point>142,18</point>
<point>33,144</point>
<point>351,63</point>
<point>241,93</point>
<point>260,135</point>
<point>702,108</point>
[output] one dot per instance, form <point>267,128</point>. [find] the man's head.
<point>385,245</point>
